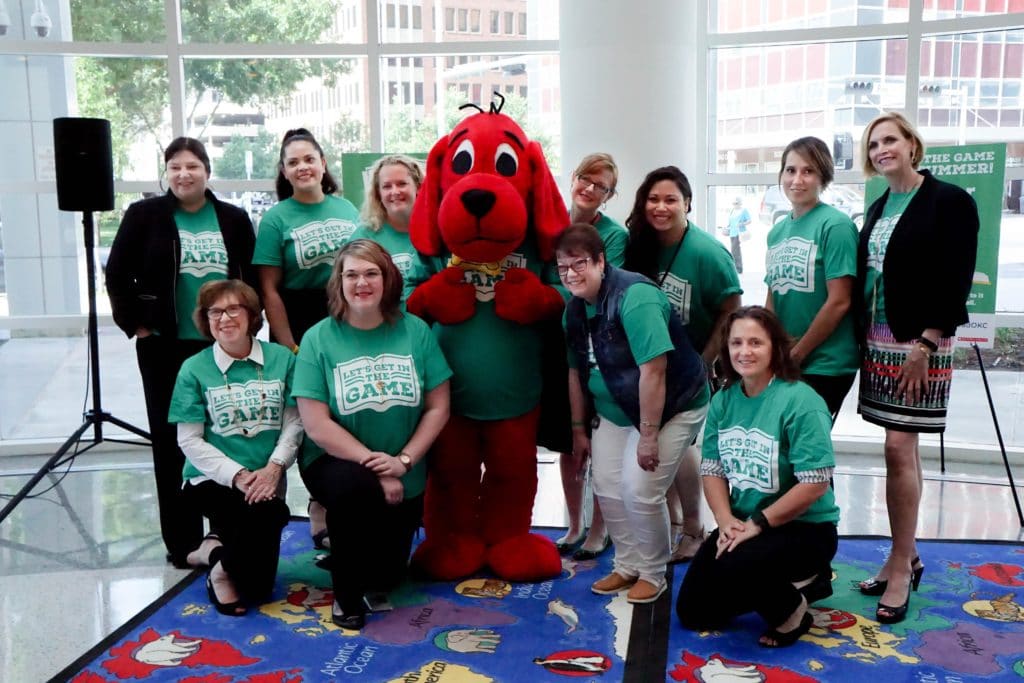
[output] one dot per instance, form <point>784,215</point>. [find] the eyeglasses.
<point>579,265</point>
<point>588,182</point>
<point>233,311</point>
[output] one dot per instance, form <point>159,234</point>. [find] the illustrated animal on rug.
<point>490,203</point>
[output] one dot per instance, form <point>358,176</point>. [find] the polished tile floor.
<point>84,555</point>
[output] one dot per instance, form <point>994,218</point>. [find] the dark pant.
<point>250,534</point>
<point>832,388</point>
<point>370,539</point>
<point>737,253</point>
<point>757,576</point>
<point>305,308</point>
<point>160,358</point>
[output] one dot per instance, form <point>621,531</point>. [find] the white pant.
<point>633,500</point>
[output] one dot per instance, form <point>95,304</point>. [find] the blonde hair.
<point>905,127</point>
<point>373,214</point>
<point>599,161</point>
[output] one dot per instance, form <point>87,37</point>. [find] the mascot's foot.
<point>528,557</point>
<point>449,557</point>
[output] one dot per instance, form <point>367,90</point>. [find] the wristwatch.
<point>404,458</point>
<point>279,461</point>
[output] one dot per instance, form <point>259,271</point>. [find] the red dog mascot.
<point>486,186</point>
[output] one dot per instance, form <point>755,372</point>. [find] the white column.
<point>40,244</point>
<point>630,87</point>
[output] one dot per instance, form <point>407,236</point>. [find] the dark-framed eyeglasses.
<point>578,266</point>
<point>588,182</point>
<point>233,311</point>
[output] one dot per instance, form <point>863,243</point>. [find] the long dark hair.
<point>283,187</point>
<point>643,247</point>
<point>782,364</point>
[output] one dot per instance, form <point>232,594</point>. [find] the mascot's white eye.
<point>506,161</point>
<point>462,162</point>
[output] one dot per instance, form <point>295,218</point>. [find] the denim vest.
<point>684,377</point>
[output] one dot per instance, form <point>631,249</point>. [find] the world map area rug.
<point>965,623</point>
<point>473,631</point>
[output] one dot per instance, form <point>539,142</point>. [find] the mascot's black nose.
<point>478,202</point>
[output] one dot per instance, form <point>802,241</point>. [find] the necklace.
<point>679,244</point>
<point>231,395</point>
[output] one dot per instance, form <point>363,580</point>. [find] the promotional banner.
<point>979,169</point>
<point>355,172</point>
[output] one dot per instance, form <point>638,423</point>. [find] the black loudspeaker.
<point>85,164</point>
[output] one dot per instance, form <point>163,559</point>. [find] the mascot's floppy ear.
<point>548,211</point>
<point>423,228</point>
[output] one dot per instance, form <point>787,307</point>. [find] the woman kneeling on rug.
<point>239,434</point>
<point>767,461</point>
<point>631,364</point>
<point>372,388</point>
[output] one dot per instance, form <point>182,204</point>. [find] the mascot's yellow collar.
<point>493,269</point>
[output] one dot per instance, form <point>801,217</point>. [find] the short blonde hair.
<point>905,127</point>
<point>211,291</point>
<point>598,161</point>
<point>373,214</point>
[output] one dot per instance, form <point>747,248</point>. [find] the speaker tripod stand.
<point>96,417</point>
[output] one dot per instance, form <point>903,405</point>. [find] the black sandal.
<point>789,637</point>
<point>196,563</point>
<point>319,538</point>
<point>230,609</point>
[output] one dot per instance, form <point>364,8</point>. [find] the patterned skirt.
<point>879,378</point>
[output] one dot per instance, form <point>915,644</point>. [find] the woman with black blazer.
<point>166,248</point>
<point>915,263</point>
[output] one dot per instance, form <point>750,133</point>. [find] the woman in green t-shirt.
<point>299,237</point>
<point>394,182</point>
<point>810,270</point>
<point>699,277</point>
<point>372,389</point>
<point>766,465</point>
<point>295,248</point>
<point>593,184</point>
<point>240,431</point>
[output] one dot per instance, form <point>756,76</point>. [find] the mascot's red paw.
<point>449,557</point>
<point>522,298</point>
<point>527,557</point>
<point>445,298</point>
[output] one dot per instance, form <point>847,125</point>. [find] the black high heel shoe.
<point>877,587</point>
<point>566,546</point>
<point>887,614</point>
<point>230,609</point>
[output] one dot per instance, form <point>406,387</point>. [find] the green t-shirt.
<point>878,242</point>
<point>373,381</point>
<point>204,258</point>
<point>644,312</point>
<point>413,267</point>
<point>496,362</point>
<point>762,441</point>
<point>615,237</point>
<point>241,409</point>
<point>302,239</point>
<point>697,281</point>
<point>803,254</point>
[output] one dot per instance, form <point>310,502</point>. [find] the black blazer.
<point>142,270</point>
<point>929,263</point>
